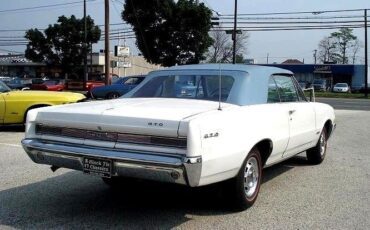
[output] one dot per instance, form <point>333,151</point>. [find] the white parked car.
<point>238,120</point>
<point>341,88</point>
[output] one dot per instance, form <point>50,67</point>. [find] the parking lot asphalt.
<point>294,194</point>
<point>347,103</point>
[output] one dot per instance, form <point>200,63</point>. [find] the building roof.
<point>16,59</point>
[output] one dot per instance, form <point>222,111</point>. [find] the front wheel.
<point>316,155</point>
<point>113,95</point>
<point>246,185</point>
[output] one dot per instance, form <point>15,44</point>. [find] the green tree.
<point>62,44</point>
<point>169,32</point>
<point>344,41</point>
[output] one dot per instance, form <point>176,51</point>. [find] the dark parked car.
<point>118,88</point>
<point>360,88</point>
<point>303,84</point>
<point>320,85</point>
<point>18,83</point>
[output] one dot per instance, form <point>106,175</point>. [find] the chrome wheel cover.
<point>322,144</point>
<point>251,177</point>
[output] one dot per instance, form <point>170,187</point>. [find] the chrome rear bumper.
<point>153,166</point>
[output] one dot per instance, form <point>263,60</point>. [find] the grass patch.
<point>337,95</point>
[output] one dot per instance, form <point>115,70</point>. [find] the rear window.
<point>205,87</point>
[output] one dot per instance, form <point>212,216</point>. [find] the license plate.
<point>97,167</point>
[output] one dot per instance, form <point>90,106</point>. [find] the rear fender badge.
<point>210,135</point>
<point>155,124</point>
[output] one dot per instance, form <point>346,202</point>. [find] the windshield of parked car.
<point>15,81</point>
<point>4,88</point>
<point>341,85</point>
<point>318,82</point>
<point>204,87</point>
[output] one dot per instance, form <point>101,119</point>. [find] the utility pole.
<point>106,33</point>
<point>366,57</point>
<point>234,31</point>
<point>85,79</point>
<point>315,56</point>
<point>267,58</point>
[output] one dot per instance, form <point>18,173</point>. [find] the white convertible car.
<point>193,125</point>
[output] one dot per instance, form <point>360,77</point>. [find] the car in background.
<point>14,105</point>
<point>341,88</point>
<point>5,79</point>
<point>19,83</point>
<point>118,88</point>
<point>320,85</point>
<point>51,85</point>
<point>302,84</point>
<point>94,80</point>
<point>359,88</point>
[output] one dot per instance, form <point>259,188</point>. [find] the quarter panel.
<point>239,129</point>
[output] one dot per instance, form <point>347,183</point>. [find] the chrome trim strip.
<point>154,166</point>
<point>149,140</point>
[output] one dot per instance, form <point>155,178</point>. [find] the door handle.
<point>291,111</point>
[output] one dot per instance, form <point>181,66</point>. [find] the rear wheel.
<point>316,155</point>
<point>245,187</point>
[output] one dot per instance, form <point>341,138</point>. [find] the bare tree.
<point>221,42</point>
<point>221,51</point>
<point>327,50</point>
<point>356,47</point>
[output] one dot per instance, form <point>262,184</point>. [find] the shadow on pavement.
<point>12,128</point>
<point>74,200</point>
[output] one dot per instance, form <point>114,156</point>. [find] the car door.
<point>301,113</point>
<point>278,122</point>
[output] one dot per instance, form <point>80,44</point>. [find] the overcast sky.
<point>279,44</point>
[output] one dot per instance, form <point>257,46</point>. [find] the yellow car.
<point>14,105</point>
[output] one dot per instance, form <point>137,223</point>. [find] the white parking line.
<point>11,145</point>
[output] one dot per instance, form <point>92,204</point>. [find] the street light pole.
<point>234,31</point>
<point>366,57</point>
<point>85,49</point>
<point>106,33</point>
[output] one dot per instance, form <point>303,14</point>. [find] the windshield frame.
<point>7,89</point>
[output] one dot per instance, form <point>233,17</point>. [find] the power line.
<point>298,12</point>
<point>43,6</point>
<point>288,29</point>
<point>298,18</point>
<point>10,51</point>
<point>292,22</point>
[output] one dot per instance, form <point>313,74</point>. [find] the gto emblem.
<point>209,135</point>
<point>155,124</point>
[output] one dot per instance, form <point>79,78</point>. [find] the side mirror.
<point>312,93</point>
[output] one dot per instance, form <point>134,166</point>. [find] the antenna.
<point>219,86</point>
